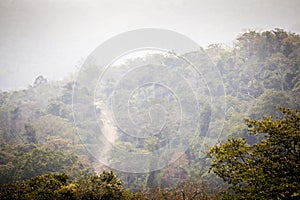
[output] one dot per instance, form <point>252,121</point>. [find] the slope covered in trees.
<point>37,135</point>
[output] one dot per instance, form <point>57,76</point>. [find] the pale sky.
<point>50,37</point>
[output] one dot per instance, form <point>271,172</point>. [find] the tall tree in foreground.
<point>269,169</point>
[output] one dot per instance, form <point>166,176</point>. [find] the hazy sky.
<point>50,37</point>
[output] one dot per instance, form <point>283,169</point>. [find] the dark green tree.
<point>30,134</point>
<point>269,169</point>
<point>45,187</point>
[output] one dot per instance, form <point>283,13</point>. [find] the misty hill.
<point>261,71</point>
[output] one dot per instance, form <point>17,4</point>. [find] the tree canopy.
<point>269,169</point>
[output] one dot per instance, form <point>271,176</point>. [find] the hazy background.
<point>51,37</point>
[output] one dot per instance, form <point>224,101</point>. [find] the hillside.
<point>72,128</point>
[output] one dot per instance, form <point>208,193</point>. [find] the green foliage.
<point>266,103</point>
<point>34,161</point>
<point>14,190</point>
<point>46,186</point>
<point>58,108</point>
<point>106,186</point>
<point>261,70</point>
<point>56,186</point>
<point>265,170</point>
<point>184,191</point>
<point>30,134</point>
<point>41,187</point>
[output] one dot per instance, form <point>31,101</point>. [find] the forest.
<point>247,145</point>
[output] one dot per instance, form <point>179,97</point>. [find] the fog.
<point>52,37</point>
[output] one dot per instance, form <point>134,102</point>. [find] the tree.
<point>47,186</point>
<point>269,169</point>
<point>40,80</point>
<point>57,108</point>
<point>106,186</point>
<point>265,104</point>
<point>41,161</point>
<point>30,134</point>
